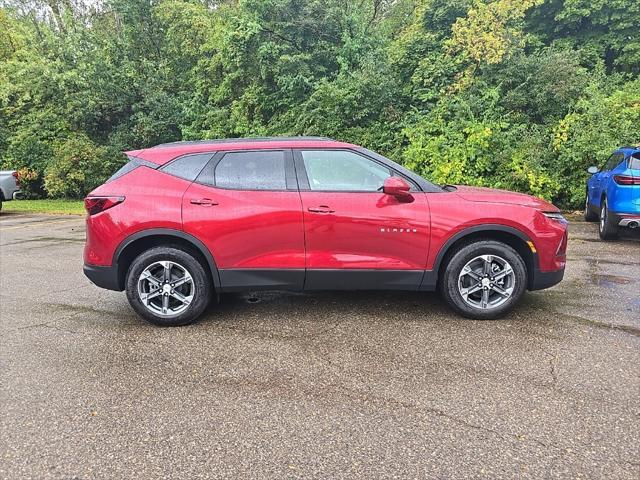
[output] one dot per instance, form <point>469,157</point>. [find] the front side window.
<point>340,170</point>
<point>259,170</point>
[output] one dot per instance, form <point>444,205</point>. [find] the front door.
<point>246,208</point>
<point>357,237</point>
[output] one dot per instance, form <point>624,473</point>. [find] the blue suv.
<point>613,193</point>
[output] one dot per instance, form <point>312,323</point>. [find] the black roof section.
<point>243,140</point>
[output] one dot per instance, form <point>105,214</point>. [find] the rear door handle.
<point>205,202</point>
<point>320,209</point>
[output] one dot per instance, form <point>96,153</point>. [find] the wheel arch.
<point>502,233</point>
<point>138,242</point>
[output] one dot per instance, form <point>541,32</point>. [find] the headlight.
<point>555,216</point>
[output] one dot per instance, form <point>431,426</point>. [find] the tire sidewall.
<point>449,284</point>
<point>608,229</point>
<point>186,260</point>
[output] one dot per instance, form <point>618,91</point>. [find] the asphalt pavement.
<point>326,385</point>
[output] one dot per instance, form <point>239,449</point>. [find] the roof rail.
<point>242,140</point>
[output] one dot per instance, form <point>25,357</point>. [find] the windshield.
<point>634,161</point>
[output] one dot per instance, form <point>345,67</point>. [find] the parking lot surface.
<point>327,385</point>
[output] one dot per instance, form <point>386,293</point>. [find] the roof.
<point>168,151</point>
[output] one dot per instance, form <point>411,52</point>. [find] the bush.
<point>78,167</point>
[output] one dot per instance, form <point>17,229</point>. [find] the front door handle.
<point>320,209</point>
<point>205,202</point>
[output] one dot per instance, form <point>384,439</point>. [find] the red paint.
<point>320,230</point>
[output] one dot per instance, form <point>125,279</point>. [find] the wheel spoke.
<point>468,291</point>
<point>146,275</point>
<point>148,296</point>
<point>178,296</point>
<point>485,298</point>
<point>488,260</point>
<point>501,291</point>
<point>467,271</point>
<point>165,303</point>
<point>167,271</point>
<point>181,281</point>
<point>505,272</point>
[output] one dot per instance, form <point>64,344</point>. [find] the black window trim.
<point>303,176</point>
<point>165,165</point>
<point>289,170</point>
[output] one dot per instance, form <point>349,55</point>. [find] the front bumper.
<point>542,280</point>
<point>103,277</point>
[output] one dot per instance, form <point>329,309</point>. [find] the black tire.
<point>183,259</point>
<point>607,227</point>
<point>589,214</point>
<point>449,282</point>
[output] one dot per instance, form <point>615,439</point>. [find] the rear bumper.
<point>628,219</point>
<point>542,280</point>
<point>103,277</point>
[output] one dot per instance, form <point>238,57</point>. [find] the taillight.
<point>16,177</point>
<point>626,180</point>
<point>95,205</point>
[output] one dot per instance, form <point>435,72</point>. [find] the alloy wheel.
<point>486,282</point>
<point>166,288</point>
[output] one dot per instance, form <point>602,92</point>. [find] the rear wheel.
<point>168,286</point>
<point>607,228</point>
<point>589,214</point>
<point>484,280</point>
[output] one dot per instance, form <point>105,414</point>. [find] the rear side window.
<point>614,161</point>
<point>187,167</point>
<point>634,161</point>
<point>259,170</point>
<point>131,165</point>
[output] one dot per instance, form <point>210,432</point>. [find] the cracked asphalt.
<point>327,385</point>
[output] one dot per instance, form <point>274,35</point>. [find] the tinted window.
<point>614,161</point>
<point>131,165</point>
<point>260,170</point>
<point>339,170</point>
<point>187,167</point>
<point>634,161</point>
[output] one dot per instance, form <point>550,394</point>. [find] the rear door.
<point>246,208</point>
<point>356,236</point>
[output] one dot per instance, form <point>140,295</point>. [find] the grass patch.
<point>53,207</point>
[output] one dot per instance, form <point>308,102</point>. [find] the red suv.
<point>184,221</point>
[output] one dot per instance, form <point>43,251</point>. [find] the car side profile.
<point>613,193</point>
<point>184,222</point>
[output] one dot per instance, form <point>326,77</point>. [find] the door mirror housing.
<point>593,170</point>
<point>396,187</point>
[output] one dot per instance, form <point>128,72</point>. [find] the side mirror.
<point>593,170</point>
<point>396,187</point>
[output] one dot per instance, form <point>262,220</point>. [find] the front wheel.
<point>607,228</point>
<point>168,286</point>
<point>484,280</point>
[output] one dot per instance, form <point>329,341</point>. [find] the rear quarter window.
<point>130,166</point>
<point>187,167</point>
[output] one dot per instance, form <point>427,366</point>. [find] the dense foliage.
<point>518,94</point>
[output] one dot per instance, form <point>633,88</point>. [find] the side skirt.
<point>237,280</point>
